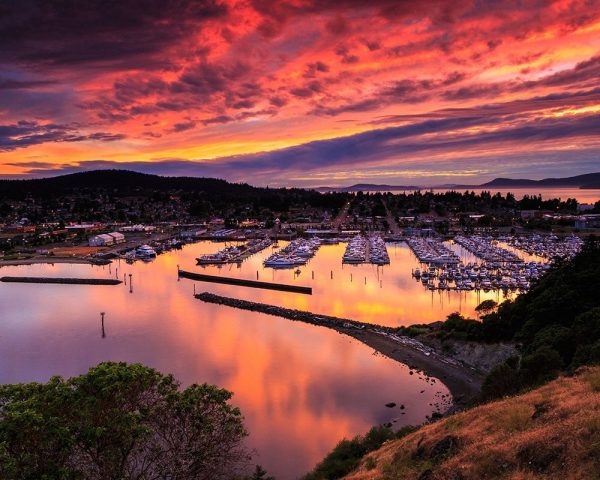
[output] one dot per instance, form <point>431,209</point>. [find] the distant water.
<point>301,387</point>
<point>581,195</point>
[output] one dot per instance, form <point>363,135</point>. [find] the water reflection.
<point>384,295</point>
<point>300,387</point>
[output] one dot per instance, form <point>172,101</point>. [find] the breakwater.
<point>64,281</point>
<point>201,277</point>
<point>291,314</point>
<point>462,381</point>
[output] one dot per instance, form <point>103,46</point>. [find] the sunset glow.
<point>302,92</point>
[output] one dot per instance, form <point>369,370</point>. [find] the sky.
<point>302,92</point>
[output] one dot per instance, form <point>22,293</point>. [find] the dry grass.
<point>593,377</point>
<point>551,432</point>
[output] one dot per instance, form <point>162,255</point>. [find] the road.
<point>393,225</point>
<point>342,216</point>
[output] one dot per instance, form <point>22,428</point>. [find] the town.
<point>104,218</point>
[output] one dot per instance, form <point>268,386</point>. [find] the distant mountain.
<point>368,187</point>
<point>589,180</point>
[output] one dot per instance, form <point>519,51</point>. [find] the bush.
<point>501,381</point>
<point>462,327</point>
<point>558,338</point>
<point>541,365</point>
<point>346,456</point>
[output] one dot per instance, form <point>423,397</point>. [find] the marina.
<point>486,249</point>
<point>432,251</point>
<point>239,349</point>
<point>235,253</point>
<point>274,367</point>
<point>546,246</point>
<point>298,252</point>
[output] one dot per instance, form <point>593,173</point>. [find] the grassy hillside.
<point>551,432</point>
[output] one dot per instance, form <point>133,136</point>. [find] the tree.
<point>119,421</point>
<point>485,307</point>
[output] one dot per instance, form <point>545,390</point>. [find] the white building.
<point>102,240</point>
<point>118,237</point>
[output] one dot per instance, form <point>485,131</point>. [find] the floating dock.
<point>245,283</point>
<point>62,281</point>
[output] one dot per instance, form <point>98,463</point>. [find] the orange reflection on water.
<point>386,295</point>
<point>300,387</point>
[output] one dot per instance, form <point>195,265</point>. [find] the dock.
<point>62,281</point>
<point>245,283</point>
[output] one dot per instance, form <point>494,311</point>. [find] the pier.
<point>245,283</point>
<point>62,281</point>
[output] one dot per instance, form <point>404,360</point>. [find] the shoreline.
<point>48,260</point>
<point>463,382</point>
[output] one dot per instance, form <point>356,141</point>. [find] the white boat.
<point>282,262</point>
<point>145,251</point>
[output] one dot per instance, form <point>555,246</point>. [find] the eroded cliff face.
<point>481,356</point>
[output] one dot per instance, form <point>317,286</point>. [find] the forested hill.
<point>119,180</point>
<point>120,183</point>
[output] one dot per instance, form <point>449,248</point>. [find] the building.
<point>103,240</point>
<point>528,214</point>
<point>85,227</point>
<point>118,237</point>
<point>588,221</point>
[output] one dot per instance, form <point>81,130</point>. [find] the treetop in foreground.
<point>119,421</point>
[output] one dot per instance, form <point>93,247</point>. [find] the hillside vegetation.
<point>556,326</point>
<point>551,432</point>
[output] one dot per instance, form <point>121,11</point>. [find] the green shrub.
<point>346,456</point>
<point>541,365</point>
<point>501,381</point>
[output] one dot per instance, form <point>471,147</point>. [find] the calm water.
<point>581,195</point>
<point>300,387</point>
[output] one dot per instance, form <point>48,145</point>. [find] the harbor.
<point>298,252</point>
<point>366,249</point>
<point>432,251</point>
<point>235,253</point>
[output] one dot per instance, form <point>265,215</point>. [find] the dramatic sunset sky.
<point>301,92</point>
